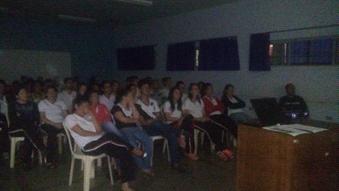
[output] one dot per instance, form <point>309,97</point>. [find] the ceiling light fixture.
<point>138,2</point>
<point>74,18</point>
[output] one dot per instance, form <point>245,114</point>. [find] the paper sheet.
<point>294,129</point>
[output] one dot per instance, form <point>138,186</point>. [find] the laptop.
<point>268,111</point>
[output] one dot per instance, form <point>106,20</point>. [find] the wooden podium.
<point>271,161</point>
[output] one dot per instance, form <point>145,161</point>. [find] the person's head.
<point>68,83</point>
<point>166,82</point>
<point>290,89</point>
<point>75,83</point>
<point>115,86</point>
<point>38,86</point>
<point>201,85</point>
<point>134,90</point>
<point>132,80</point>
<point>125,96</point>
<point>155,85</point>
<point>82,89</point>
<point>93,98</point>
<point>22,94</point>
<point>145,88</point>
<point>106,87</point>
<point>193,90</point>
<point>95,87</point>
<point>207,90</point>
<point>2,87</point>
<point>81,106</point>
<point>174,94</point>
<point>229,90</point>
<point>51,93</point>
<point>181,86</point>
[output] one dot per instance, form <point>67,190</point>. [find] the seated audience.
<point>82,91</point>
<point>107,98</point>
<point>52,114</point>
<point>181,86</point>
<point>115,87</point>
<point>151,121</point>
<point>215,110</point>
<point>3,99</point>
<point>292,105</point>
<point>24,115</point>
<point>127,120</point>
<point>89,136</point>
<point>163,92</point>
<point>174,116</point>
<point>68,94</point>
<point>194,106</point>
<point>102,114</point>
<point>234,105</point>
<point>38,92</point>
<point>132,80</point>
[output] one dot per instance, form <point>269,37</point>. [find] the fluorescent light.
<point>74,18</point>
<point>138,2</point>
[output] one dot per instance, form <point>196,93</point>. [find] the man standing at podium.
<point>293,106</point>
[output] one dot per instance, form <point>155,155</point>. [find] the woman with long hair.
<point>194,106</point>
<point>183,123</point>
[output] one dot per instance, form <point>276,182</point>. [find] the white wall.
<point>319,85</point>
<point>34,63</point>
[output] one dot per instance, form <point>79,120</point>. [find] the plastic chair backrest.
<point>69,138</point>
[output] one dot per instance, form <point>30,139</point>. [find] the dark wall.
<point>91,46</point>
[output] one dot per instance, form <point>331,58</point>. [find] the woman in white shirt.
<point>194,106</point>
<point>175,117</point>
<point>89,136</point>
<point>52,114</point>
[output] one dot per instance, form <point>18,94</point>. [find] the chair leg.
<point>110,170</point>
<point>12,159</point>
<point>99,163</point>
<point>93,170</point>
<point>87,174</point>
<point>196,132</point>
<point>60,145</point>
<point>168,152</point>
<point>71,172</point>
<point>152,155</point>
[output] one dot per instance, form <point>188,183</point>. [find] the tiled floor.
<point>207,174</point>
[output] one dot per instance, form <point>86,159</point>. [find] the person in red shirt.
<point>215,110</point>
<point>102,114</point>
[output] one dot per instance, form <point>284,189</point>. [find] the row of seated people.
<point>136,117</point>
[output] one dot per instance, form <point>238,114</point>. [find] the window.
<point>136,58</point>
<point>319,51</point>
<point>205,55</point>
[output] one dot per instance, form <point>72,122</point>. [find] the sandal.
<point>222,156</point>
<point>228,153</point>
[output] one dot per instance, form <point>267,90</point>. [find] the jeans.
<point>109,127</point>
<point>165,130</point>
<point>137,136</point>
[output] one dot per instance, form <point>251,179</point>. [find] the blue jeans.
<point>165,130</point>
<point>137,136</point>
<point>109,127</point>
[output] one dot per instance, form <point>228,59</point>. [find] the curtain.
<point>259,52</point>
<point>219,54</point>
<point>181,56</point>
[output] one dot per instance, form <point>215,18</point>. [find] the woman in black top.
<point>24,115</point>
<point>127,118</point>
<point>233,105</point>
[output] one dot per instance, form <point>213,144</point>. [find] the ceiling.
<point>103,11</point>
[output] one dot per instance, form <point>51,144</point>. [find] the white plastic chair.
<point>165,146</point>
<point>87,161</point>
<point>199,131</point>
<point>14,140</point>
